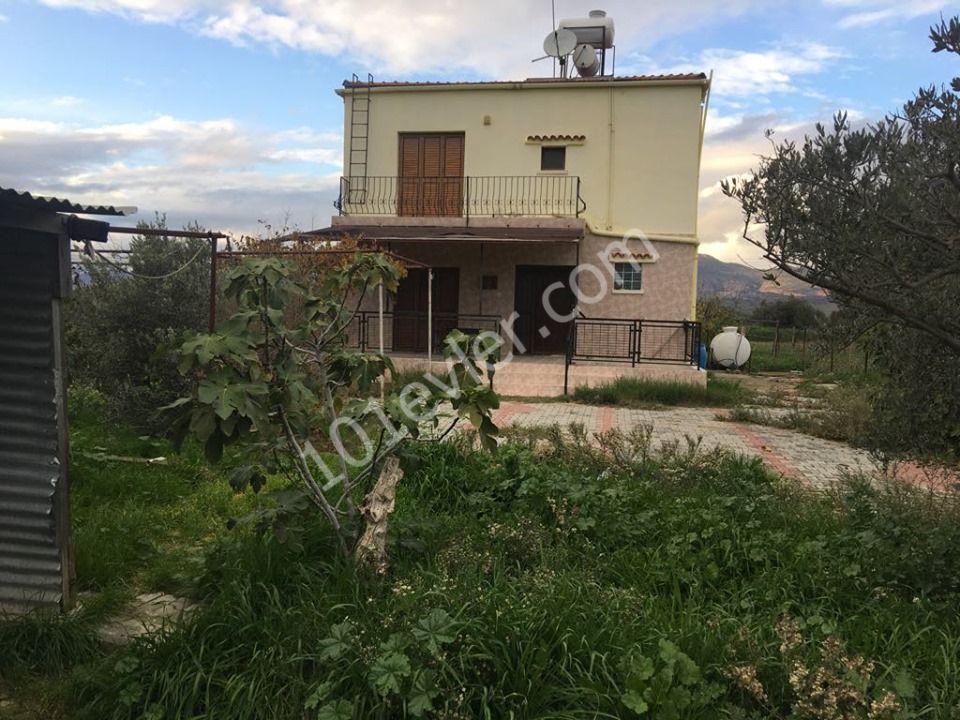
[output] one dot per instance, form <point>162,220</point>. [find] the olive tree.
<point>871,214</point>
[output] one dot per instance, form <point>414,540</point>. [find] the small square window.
<point>489,282</point>
<point>553,158</point>
<point>627,276</point>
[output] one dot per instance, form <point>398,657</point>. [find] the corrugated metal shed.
<point>35,549</point>
<point>11,198</point>
<point>30,466</point>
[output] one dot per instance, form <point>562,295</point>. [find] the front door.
<point>410,314</point>
<point>431,174</point>
<point>536,329</point>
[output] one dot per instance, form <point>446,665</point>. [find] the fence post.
<point>212,320</point>
<point>776,340</point>
<point>635,350</point>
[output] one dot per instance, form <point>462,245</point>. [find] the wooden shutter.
<point>431,174</point>
<point>453,174</point>
<point>409,192</point>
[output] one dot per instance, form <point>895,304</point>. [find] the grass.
<point>137,528</point>
<point>635,391</point>
<point>552,579</point>
<point>164,512</point>
<point>842,414</point>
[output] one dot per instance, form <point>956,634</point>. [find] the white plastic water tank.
<point>731,349</point>
<point>596,30</point>
<point>585,58</point>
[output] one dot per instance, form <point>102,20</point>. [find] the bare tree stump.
<point>376,510</point>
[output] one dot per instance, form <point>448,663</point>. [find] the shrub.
<point>120,329</point>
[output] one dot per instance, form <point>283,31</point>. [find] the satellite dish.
<point>560,43</point>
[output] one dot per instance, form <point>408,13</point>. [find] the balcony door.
<point>431,174</point>
<point>410,315</point>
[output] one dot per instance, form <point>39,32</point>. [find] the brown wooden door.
<point>540,333</point>
<point>431,174</point>
<point>410,315</point>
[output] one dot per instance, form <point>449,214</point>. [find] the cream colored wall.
<point>640,171</point>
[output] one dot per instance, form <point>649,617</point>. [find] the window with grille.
<point>627,276</point>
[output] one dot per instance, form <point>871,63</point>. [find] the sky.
<point>223,111</point>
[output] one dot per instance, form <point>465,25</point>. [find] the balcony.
<point>466,197</point>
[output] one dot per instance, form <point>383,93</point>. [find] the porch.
<point>594,351</point>
<point>531,376</point>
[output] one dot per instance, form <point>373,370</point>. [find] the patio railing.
<point>634,341</point>
<point>408,331</point>
<point>631,341</point>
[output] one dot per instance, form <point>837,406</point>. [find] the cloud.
<point>733,147</point>
<point>861,13</point>
<point>215,171</point>
<point>748,74</point>
<point>4,18</point>
<point>493,38</point>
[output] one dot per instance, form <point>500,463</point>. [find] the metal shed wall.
<point>35,559</point>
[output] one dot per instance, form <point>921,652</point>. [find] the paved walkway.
<point>815,462</point>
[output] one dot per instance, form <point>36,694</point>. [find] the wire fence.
<point>785,348</point>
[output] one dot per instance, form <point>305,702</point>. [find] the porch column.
<point>380,321</point>
<point>430,317</point>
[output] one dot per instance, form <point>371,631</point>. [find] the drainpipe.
<point>610,138</point>
<point>703,131</point>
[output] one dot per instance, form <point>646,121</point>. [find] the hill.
<point>748,286</point>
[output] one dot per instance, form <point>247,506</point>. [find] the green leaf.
<point>339,642</point>
<point>904,686</point>
<point>321,693</point>
<point>435,630</point>
<point>635,702</point>
<point>203,423</point>
<point>388,673</point>
<point>422,694</point>
<point>340,710</point>
<point>396,643</point>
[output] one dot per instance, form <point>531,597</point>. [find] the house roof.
<point>51,204</point>
<point>652,79</point>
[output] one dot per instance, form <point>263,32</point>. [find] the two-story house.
<point>585,189</point>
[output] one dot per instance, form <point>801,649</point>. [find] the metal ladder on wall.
<point>359,140</point>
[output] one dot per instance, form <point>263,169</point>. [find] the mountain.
<point>748,286</point>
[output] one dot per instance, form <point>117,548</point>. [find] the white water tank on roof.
<point>596,30</point>
<point>585,58</point>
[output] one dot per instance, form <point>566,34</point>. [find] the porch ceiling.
<point>421,233</point>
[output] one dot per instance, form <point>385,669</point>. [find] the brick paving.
<point>815,462</point>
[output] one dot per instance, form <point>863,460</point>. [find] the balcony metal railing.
<point>485,196</point>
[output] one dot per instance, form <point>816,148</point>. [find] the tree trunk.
<point>376,510</point>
